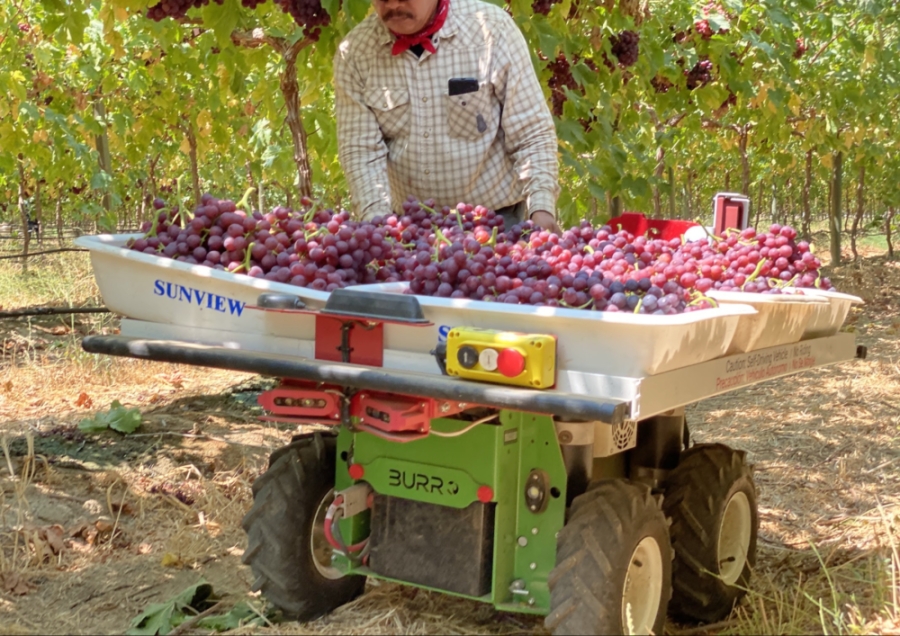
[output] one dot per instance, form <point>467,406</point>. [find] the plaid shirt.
<point>400,133</point>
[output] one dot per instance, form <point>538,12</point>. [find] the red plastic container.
<point>639,225</point>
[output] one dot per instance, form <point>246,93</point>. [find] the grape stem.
<point>459,220</point>
<point>637,308</point>
<point>752,277</point>
<point>246,264</point>
<point>246,198</point>
<point>584,306</point>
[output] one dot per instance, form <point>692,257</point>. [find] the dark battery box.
<point>436,546</point>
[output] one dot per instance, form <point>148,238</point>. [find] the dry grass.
<point>146,516</point>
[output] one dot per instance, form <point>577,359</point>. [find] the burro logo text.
<point>198,297</point>
<point>411,480</point>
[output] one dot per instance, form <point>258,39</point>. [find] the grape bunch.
<point>584,268</point>
<point>466,252</point>
<point>625,46</point>
<point>560,79</point>
<point>174,8</point>
<point>699,75</point>
<point>800,48</point>
<point>704,29</point>
<point>311,247</point>
<point>543,7</point>
<point>309,14</point>
<point>661,84</point>
<point>252,4</point>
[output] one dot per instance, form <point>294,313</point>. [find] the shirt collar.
<point>451,26</point>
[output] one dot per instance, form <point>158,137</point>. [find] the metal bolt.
<point>444,407</point>
<point>534,531</point>
<point>523,541</point>
<point>565,437</point>
<point>533,566</point>
<point>531,601</point>
<point>518,584</point>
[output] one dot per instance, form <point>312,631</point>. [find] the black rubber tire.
<point>594,551</point>
<point>279,525</point>
<point>697,492</point>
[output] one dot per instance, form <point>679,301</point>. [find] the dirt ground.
<point>94,528</point>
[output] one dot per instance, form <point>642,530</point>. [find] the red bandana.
<point>404,42</point>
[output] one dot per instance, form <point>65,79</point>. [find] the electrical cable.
<point>465,430</point>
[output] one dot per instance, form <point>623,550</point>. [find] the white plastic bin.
<point>779,319</point>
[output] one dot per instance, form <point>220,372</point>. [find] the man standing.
<point>439,99</point>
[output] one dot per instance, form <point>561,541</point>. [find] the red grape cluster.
<point>766,262</point>
<point>174,8</point>
<point>661,84</point>
<point>704,29</point>
<point>543,6</point>
<point>252,4</point>
<point>467,253</point>
<point>309,14</point>
<point>320,249</point>
<point>604,270</point>
<point>699,75</point>
<point>625,46</point>
<point>583,268</point>
<point>560,79</point>
<point>800,48</point>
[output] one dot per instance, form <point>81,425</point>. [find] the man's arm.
<point>530,135</point>
<point>361,147</point>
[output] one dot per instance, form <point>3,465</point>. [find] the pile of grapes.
<point>467,252</point>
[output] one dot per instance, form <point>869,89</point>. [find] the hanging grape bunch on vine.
<point>704,28</point>
<point>308,14</point>
<point>542,7</point>
<point>176,9</point>
<point>625,46</point>
<point>699,75</point>
<point>560,80</point>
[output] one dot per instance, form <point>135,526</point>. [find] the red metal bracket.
<point>293,401</point>
<point>401,414</point>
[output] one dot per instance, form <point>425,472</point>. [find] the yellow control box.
<point>503,357</point>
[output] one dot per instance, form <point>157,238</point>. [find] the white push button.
<point>488,359</point>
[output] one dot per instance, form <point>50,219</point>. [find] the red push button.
<point>356,471</point>
<point>510,363</point>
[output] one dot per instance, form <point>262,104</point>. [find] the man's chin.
<point>401,26</point>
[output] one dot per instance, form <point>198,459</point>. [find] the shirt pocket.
<point>469,115</point>
<point>391,108</point>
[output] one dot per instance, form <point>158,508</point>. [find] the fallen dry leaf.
<point>53,535</point>
<point>84,400</point>
<point>8,385</point>
<point>125,508</point>
<point>103,525</point>
<point>13,583</point>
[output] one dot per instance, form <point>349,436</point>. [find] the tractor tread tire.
<point>696,493</point>
<point>593,551</point>
<point>285,501</point>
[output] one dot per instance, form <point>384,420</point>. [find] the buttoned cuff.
<point>541,200</point>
